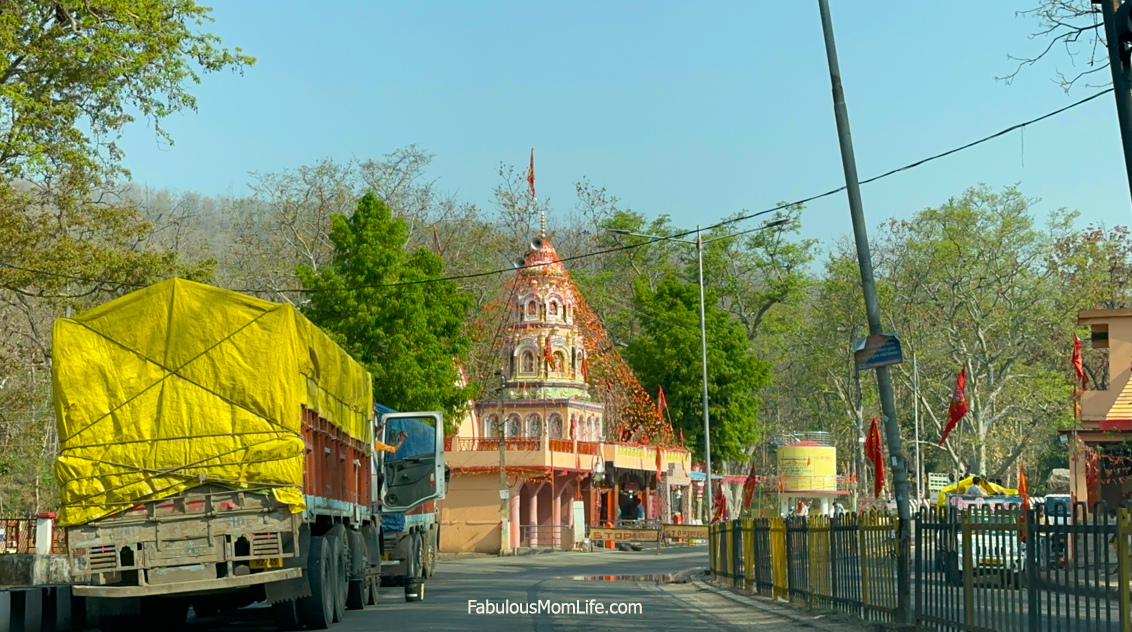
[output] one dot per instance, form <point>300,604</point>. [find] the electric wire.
<point>727,222</point>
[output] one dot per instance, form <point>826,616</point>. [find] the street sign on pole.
<point>876,351</point>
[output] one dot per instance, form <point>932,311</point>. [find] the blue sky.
<point>697,111</point>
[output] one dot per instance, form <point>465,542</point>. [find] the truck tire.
<point>359,560</point>
<point>203,607</point>
<point>342,565</point>
<point>318,610</point>
<point>373,583</point>
<point>286,615</point>
<point>414,589</point>
<point>428,555</point>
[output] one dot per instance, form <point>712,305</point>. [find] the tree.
<point>75,71</point>
<point>73,75</point>
<point>666,353</point>
<point>970,287</point>
<point>373,300</point>
<point>1075,26</point>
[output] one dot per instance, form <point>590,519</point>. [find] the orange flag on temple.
<point>661,403</point>
<point>1077,363</point>
<point>531,173</point>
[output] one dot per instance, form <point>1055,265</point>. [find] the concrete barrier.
<point>37,609</point>
<point>34,570</point>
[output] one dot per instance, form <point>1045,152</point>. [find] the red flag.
<point>720,509</point>
<point>875,454</point>
<point>531,173</point>
<point>1025,494</point>
<point>749,488</point>
<point>681,436</point>
<point>958,407</point>
<point>1022,490</point>
<point>661,403</point>
<point>1077,363</point>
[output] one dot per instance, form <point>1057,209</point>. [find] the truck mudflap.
<point>187,588</point>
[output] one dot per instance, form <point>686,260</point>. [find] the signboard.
<point>699,532</point>
<point>623,535</point>
<point>876,351</point>
<point>936,483</point>
<point>805,468</point>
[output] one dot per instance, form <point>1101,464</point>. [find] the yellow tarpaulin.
<point>989,488</point>
<point>181,384</point>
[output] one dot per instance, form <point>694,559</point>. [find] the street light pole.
<point>872,310</point>
<point>709,501</point>
<point>504,491</point>
<point>916,408</point>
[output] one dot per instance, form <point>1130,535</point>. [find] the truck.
<point>218,450</point>
<point>999,552</point>
<point>411,539</point>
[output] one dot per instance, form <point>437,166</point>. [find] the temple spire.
<point>542,225</point>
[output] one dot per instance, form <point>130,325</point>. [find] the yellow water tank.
<point>807,466</point>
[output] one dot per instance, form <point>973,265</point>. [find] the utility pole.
<point>872,309</point>
<point>709,500</point>
<point>1118,32</point>
<point>916,414</point>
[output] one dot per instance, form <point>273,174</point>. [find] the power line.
<point>473,275</point>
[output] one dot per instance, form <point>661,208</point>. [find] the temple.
<point>1099,455</point>
<point>562,471</point>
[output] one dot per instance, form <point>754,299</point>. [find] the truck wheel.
<point>286,615</point>
<point>318,609</point>
<point>372,586</point>
<point>414,589</point>
<point>340,554</point>
<point>341,579</point>
<point>164,613</point>
<point>428,565</point>
<point>359,559</point>
<point>205,607</point>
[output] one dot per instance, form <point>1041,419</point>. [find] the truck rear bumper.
<point>181,588</point>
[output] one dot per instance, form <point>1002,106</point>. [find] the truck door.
<point>414,472</point>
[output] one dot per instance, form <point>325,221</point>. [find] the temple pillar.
<point>532,516</point>
<point>556,516</point>
<point>513,516</point>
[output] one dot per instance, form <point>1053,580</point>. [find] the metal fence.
<point>17,536</point>
<point>815,562</point>
<point>979,570</point>
<point>555,536</point>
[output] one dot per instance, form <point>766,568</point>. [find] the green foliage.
<point>407,336</point>
<point>667,353</point>
<point>75,71</point>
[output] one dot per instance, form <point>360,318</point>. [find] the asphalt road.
<point>555,578</point>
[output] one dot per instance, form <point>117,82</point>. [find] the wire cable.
<point>734,220</point>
